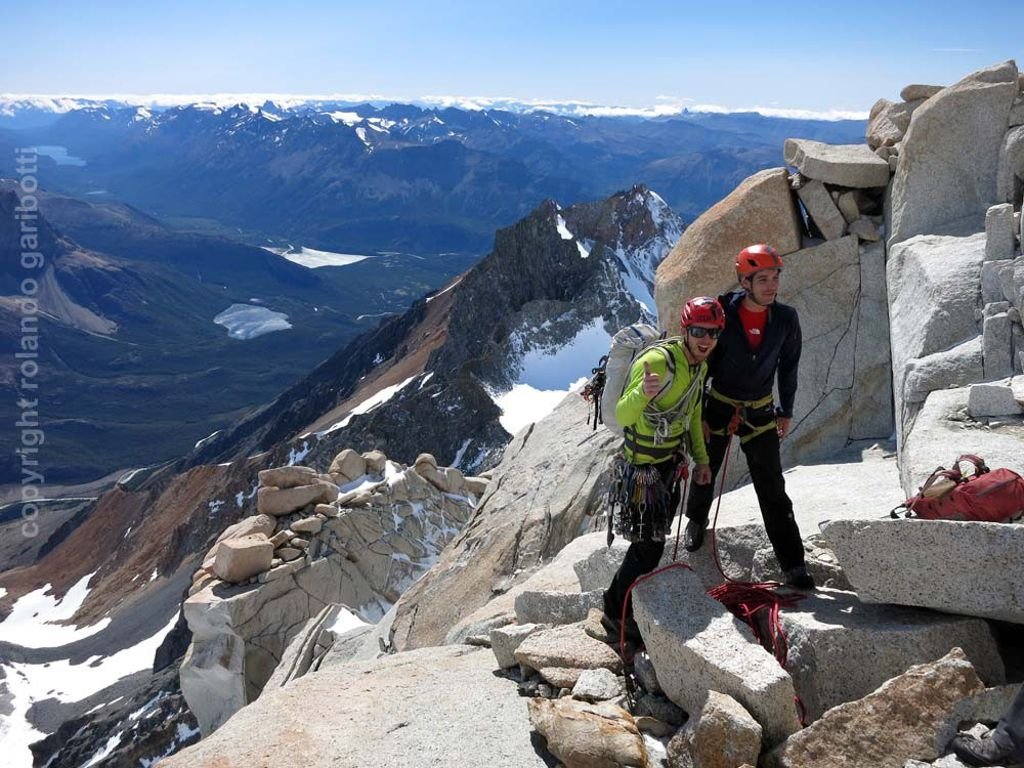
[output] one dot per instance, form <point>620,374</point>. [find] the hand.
<point>702,474</point>
<point>652,381</point>
<point>783,424</point>
<point>706,429</point>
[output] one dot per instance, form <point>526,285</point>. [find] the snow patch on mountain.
<point>370,403</point>
<point>37,619</point>
<point>313,258</point>
<point>28,683</point>
<point>245,321</point>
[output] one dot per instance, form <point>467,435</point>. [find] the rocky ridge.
<point>531,610</point>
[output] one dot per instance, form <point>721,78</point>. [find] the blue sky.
<point>829,56</point>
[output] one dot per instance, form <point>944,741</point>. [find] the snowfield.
<point>245,321</point>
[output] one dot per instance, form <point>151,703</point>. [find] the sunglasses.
<point>699,333</point>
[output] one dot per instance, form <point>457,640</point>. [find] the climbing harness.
<point>741,409</point>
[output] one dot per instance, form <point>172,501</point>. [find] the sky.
<point>737,54</point>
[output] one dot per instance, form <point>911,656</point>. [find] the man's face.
<point>701,339</point>
<point>763,286</point>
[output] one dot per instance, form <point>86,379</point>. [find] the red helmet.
<point>754,258</point>
<point>702,309</point>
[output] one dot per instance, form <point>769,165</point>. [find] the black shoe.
<point>693,537</point>
<point>986,751</point>
<point>602,627</point>
<point>609,630</point>
<point>798,577</point>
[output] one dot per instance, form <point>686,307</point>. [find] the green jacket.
<point>636,412</point>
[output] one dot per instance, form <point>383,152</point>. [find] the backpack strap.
<point>980,467</point>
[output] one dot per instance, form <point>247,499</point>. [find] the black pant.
<point>765,465</point>
<point>1011,726</point>
<point>641,557</point>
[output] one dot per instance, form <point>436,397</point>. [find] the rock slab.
<point>705,648</point>
<point>967,564</point>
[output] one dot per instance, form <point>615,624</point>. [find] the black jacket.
<point>738,373</point>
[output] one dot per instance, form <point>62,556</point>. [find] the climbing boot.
<point>693,537</point>
<point>990,750</point>
<point>600,626</point>
<point>798,577</point>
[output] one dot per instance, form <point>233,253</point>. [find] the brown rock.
<point>760,210</point>
<point>287,477</point>
<point>242,558</point>
<point>289,553</point>
<point>585,735</point>
<point>374,461</point>
<point>348,464</point>
<point>282,537</point>
<point>284,501</point>
<point>907,718</point>
<point>425,458</point>
<point>247,526</point>
<point>724,736</point>
<point>308,525</point>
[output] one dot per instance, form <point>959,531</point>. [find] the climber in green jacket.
<point>660,411</point>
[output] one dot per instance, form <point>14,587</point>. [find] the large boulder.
<point>843,165</point>
<point>934,294</point>
<point>705,648</point>
<point>760,210</point>
<point>948,163</point>
<point>841,648</point>
<point>906,718</point>
<point>285,501</point>
<point>958,567</point>
<point>541,496</point>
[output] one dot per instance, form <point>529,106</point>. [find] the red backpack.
<point>989,496</point>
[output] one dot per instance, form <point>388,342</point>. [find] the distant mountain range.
<point>384,177</point>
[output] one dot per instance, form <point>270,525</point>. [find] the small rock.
<point>597,685</point>
<point>289,553</point>
<point>327,510</point>
<point>282,537</point>
<point>299,543</point>
<point>308,525</point>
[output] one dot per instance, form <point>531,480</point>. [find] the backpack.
<point>609,378</point>
<point>991,496</point>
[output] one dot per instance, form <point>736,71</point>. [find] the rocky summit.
<point>373,571</point>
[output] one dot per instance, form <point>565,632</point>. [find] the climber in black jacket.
<point>761,341</point>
